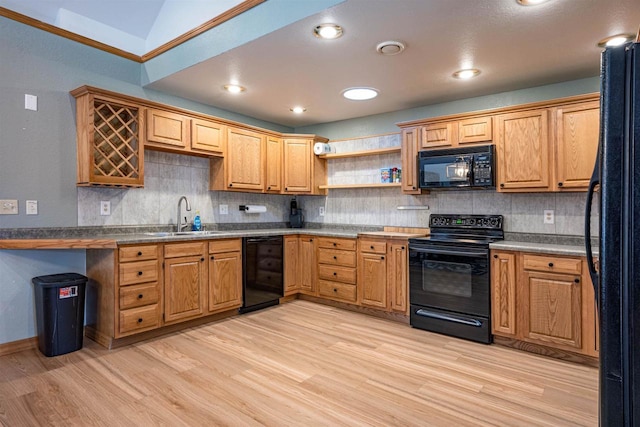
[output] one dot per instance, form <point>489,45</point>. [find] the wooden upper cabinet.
<point>109,141</point>
<point>577,131</point>
<point>167,128</point>
<point>244,160</point>
<point>273,167</point>
<point>439,135</point>
<point>208,136</point>
<point>410,143</point>
<point>503,293</point>
<point>475,130</point>
<point>297,171</point>
<point>523,151</point>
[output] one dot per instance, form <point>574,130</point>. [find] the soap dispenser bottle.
<point>197,225</point>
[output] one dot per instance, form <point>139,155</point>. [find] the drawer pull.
<point>335,274</point>
<point>576,280</point>
<point>140,320</point>
<point>335,244</point>
<point>139,253</point>
<point>139,273</point>
<point>550,264</point>
<point>371,246</point>
<point>335,290</point>
<point>140,296</point>
<point>335,257</point>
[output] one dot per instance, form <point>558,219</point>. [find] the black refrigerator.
<point>617,280</point>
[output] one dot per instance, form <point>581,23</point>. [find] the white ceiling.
<point>514,47</point>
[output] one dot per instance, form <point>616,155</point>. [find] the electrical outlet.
<point>8,207</point>
<point>549,217</point>
<point>30,102</point>
<point>105,207</point>
<point>224,209</point>
<point>321,212</point>
<point>32,207</point>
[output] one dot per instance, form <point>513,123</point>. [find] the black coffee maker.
<point>296,219</point>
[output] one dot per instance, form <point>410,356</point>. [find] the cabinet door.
<point>523,151</point>
<point>297,166</point>
<point>184,287</point>
<point>291,265</point>
<point>110,150</point>
<point>410,141</point>
<point>208,136</point>
<point>439,135</point>
<point>503,293</point>
<point>308,265</point>
<point>372,280</point>
<point>167,128</point>
<point>577,132</point>
<point>478,129</point>
<point>244,160</point>
<point>225,281</point>
<point>274,164</point>
<point>398,282</point>
<point>551,309</point>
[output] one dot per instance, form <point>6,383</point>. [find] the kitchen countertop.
<point>546,248</point>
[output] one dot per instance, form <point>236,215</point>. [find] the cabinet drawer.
<point>552,264</point>
<point>337,243</point>
<point>227,245</point>
<point>336,257</point>
<point>138,272</point>
<point>134,319</point>
<point>336,290</point>
<point>138,295</point>
<point>372,246</point>
<point>176,250</point>
<point>336,273</point>
<point>138,253</point>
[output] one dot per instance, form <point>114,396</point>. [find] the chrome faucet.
<point>179,224</point>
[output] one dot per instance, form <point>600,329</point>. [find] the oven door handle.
<point>451,252</point>
<point>449,318</point>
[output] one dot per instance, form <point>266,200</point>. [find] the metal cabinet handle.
<point>550,264</point>
<point>335,274</point>
<point>230,185</point>
<point>139,273</point>
<point>381,257</point>
<point>212,257</point>
<point>576,280</point>
<point>140,320</point>
<point>269,188</point>
<point>559,184</point>
<point>140,253</point>
<point>501,185</point>
<point>495,256</point>
<point>202,259</point>
<point>139,296</point>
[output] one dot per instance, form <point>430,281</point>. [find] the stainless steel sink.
<point>182,233</point>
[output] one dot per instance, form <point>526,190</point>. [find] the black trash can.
<point>59,312</point>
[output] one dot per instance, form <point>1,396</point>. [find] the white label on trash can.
<point>68,292</point>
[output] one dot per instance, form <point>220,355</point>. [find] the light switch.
<point>30,102</point>
<point>8,207</point>
<point>32,207</point>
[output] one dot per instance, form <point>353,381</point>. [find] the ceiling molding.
<point>67,34</point>
<point>223,17</point>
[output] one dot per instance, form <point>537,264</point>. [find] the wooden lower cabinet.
<point>337,269</point>
<point>185,281</point>
<point>383,274</point>
<point>225,275</point>
<point>545,300</point>
<point>307,259</point>
<point>291,265</point>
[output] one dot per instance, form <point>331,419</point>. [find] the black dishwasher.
<point>262,281</point>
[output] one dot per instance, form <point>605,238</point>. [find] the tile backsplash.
<point>169,176</point>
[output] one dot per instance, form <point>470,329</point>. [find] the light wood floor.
<point>298,364</point>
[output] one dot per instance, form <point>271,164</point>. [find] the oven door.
<point>450,278</point>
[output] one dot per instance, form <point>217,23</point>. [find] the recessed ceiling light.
<point>360,93</point>
<point>328,31</point>
<point>234,88</point>
<point>466,74</point>
<point>617,40</point>
<point>390,47</point>
<point>531,2</point>
<point>298,110</point>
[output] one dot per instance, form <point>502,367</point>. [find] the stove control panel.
<point>491,222</point>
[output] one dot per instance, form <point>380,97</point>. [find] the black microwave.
<point>470,167</point>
